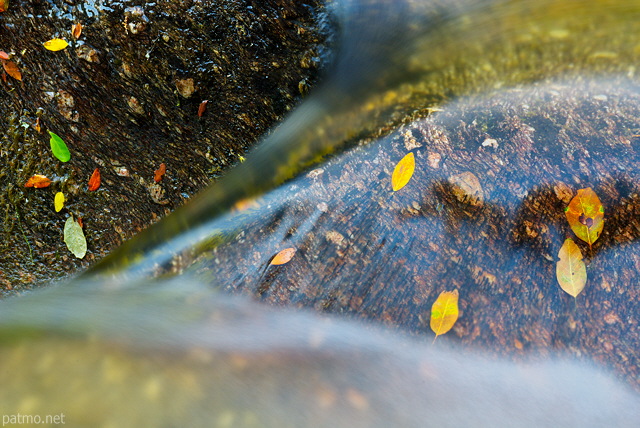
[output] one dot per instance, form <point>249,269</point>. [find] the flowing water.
<point>534,100</point>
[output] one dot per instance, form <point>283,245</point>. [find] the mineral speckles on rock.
<point>135,21</point>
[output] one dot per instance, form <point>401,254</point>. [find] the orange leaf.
<point>12,69</point>
<point>202,108</point>
<point>94,181</point>
<point>160,172</point>
<point>4,55</point>
<point>403,171</point>
<point>76,30</point>
<point>585,215</point>
<point>38,181</point>
<point>283,256</point>
<point>444,312</point>
<point>4,5</point>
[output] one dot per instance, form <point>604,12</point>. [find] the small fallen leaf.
<point>12,69</point>
<point>37,125</point>
<point>571,271</point>
<point>283,256</point>
<point>58,201</point>
<point>202,108</point>
<point>159,172</point>
<point>94,181</point>
<point>585,215</point>
<point>403,171</point>
<point>444,312</point>
<point>4,5</point>
<point>59,148</point>
<point>55,45</point>
<point>74,238</point>
<point>38,181</point>
<point>76,30</point>
<point>3,54</point>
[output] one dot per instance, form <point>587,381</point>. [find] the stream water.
<point>509,108</point>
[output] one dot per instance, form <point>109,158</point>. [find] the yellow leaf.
<point>55,44</point>
<point>283,256</point>
<point>585,215</point>
<point>58,201</point>
<point>444,312</point>
<point>403,171</point>
<point>571,271</point>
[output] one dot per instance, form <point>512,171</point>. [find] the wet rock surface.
<point>125,98</point>
<point>487,220</point>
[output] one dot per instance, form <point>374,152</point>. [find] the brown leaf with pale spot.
<point>38,181</point>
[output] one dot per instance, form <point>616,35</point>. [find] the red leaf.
<point>160,172</point>
<point>12,69</point>
<point>202,108</point>
<point>4,55</point>
<point>38,181</point>
<point>94,181</point>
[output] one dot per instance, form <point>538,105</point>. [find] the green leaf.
<point>59,148</point>
<point>74,238</point>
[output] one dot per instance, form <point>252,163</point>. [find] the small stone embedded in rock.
<point>490,142</point>
<point>185,87</point>
<point>88,54</point>
<point>467,189</point>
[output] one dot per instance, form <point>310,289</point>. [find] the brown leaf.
<point>38,181</point>
<point>94,181</point>
<point>444,312</point>
<point>202,108</point>
<point>76,30</point>
<point>283,256</point>
<point>12,69</point>
<point>159,172</point>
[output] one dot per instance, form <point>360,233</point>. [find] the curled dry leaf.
<point>94,181</point>
<point>403,172</point>
<point>571,271</point>
<point>76,30</point>
<point>283,256</point>
<point>55,45</point>
<point>58,201</point>
<point>12,69</point>
<point>444,312</point>
<point>158,173</point>
<point>74,238</point>
<point>38,181</point>
<point>585,215</point>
